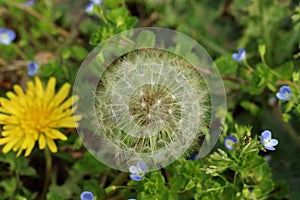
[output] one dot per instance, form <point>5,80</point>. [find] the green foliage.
<point>238,174</point>
<point>114,21</point>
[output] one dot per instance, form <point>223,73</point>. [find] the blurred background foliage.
<point>59,34</point>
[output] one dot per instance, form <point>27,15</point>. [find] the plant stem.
<point>248,66</point>
<point>48,167</point>
<point>19,51</point>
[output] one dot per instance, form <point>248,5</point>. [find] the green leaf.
<point>113,3</point>
<point>226,65</point>
<point>78,52</point>
<point>9,186</point>
<point>89,164</point>
<point>285,70</point>
<point>54,196</point>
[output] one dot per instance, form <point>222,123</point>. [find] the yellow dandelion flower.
<point>36,116</point>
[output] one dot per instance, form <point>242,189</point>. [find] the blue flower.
<point>96,2</point>
<point>7,36</point>
<point>89,8</point>
<point>240,55</point>
<point>32,68</point>
<point>138,171</point>
<point>86,195</point>
<point>229,142</point>
<point>195,156</point>
<point>29,3</point>
<point>131,199</point>
<point>267,141</point>
<point>285,93</point>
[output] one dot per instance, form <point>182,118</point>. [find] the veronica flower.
<point>267,141</point>
<point>285,93</point>
<point>89,8</point>
<point>29,3</point>
<point>240,55</point>
<point>6,36</point>
<point>138,171</point>
<point>32,68</point>
<point>195,156</point>
<point>36,116</point>
<point>86,195</point>
<point>96,2</point>
<point>229,142</point>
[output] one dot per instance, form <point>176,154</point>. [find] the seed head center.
<point>152,103</point>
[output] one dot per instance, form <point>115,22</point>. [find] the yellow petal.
<point>26,142</point>
<point>9,107</point>
<point>51,144</point>
<point>39,87</point>
<point>9,145</point>
<point>68,122</point>
<point>2,118</point>
<point>50,90</point>
<point>62,94</point>
<point>29,149</point>
<point>18,90</point>
<point>18,145</point>
<point>11,95</point>
<point>55,134</point>
<point>4,140</point>
<point>19,152</point>
<point>42,141</point>
<point>68,103</point>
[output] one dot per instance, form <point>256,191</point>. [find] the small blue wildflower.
<point>6,36</point>
<point>131,199</point>
<point>86,195</point>
<point>29,3</point>
<point>285,93</point>
<point>229,142</point>
<point>96,2</point>
<point>89,8</point>
<point>32,68</point>
<point>138,171</point>
<point>195,156</point>
<point>240,55</point>
<point>267,141</point>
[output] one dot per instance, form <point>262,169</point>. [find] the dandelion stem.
<point>48,167</point>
